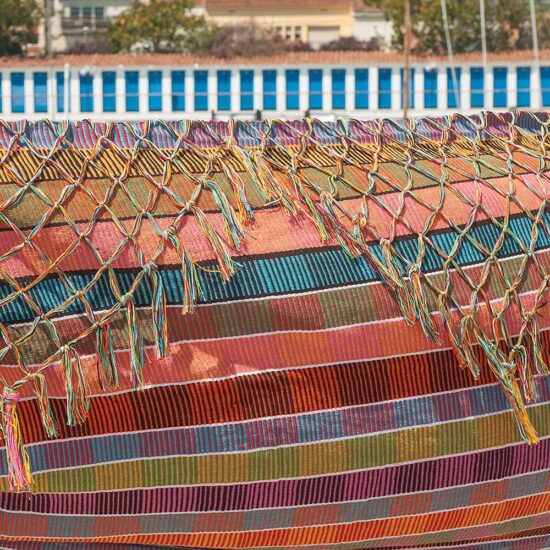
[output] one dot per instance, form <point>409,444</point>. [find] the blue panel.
<point>453,88</point>
<point>545,85</point>
<point>155,90</point>
<point>201,90</point>
<point>269,90</point>
<point>247,90</point>
<point>361,88</point>
<point>477,87</point>
<point>338,88</point>
<point>40,81</point>
<point>132,91</point>
<point>411,88</point>
<point>224,90</point>
<point>292,89</point>
<point>430,89</point>
<point>109,91</point>
<point>316,88</point>
<point>60,92</point>
<point>17,92</point>
<point>178,90</point>
<point>86,93</point>
<point>500,87</point>
<point>524,87</point>
<point>384,88</point>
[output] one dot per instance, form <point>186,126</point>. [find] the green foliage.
<point>19,20</point>
<point>507,24</point>
<point>160,26</point>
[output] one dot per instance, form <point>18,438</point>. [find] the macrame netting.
<point>84,310</point>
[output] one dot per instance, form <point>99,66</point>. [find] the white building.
<point>319,84</point>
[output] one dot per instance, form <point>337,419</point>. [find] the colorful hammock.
<point>275,334</point>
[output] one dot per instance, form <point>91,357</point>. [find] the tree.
<point>159,26</point>
<point>19,20</point>
<point>351,44</point>
<point>246,40</point>
<point>507,24</point>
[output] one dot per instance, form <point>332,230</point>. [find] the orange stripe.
<point>272,232</point>
<point>325,534</point>
<point>203,360</point>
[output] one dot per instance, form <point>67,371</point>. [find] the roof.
<point>288,58</point>
<point>255,5</point>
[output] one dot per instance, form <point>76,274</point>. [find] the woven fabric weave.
<point>275,334</point>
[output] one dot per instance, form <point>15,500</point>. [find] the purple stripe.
<point>422,476</point>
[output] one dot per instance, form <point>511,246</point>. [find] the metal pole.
<point>536,54</point>
<point>450,52</point>
<point>483,33</point>
<point>47,28</point>
<point>407,48</point>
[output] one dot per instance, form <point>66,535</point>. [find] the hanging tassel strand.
<point>19,474</point>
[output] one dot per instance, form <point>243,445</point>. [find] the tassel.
<point>106,357</point>
<point>233,226</point>
<point>422,311</point>
<point>191,284</point>
<point>41,392</point>
<point>533,331</point>
<point>19,473</point>
<point>395,279</point>
<point>505,371</point>
<point>137,351</point>
<point>244,209</point>
<point>518,357</point>
<point>160,320</point>
<point>217,245</point>
<point>468,335</point>
<point>78,402</point>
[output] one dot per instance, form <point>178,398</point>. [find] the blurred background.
<point>245,59</point>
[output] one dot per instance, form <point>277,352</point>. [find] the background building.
<point>80,25</point>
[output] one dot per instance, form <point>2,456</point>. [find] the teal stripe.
<point>272,275</point>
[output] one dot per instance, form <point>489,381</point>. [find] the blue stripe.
<point>271,275</point>
<point>311,428</point>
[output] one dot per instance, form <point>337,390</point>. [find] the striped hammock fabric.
<point>275,334</point>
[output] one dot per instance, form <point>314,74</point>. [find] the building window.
<point>298,34</point>
<point>99,12</point>
<point>40,92</point>
<point>247,90</point>
<point>132,91</point>
<point>500,85</point>
<point>74,12</point>
<point>224,90</point>
<point>178,90</point>
<point>453,88</point>
<point>545,85</point>
<point>86,93</point>
<point>201,90</point>
<point>17,92</point>
<point>411,88</point>
<point>288,33</point>
<point>384,88</point>
<point>316,88</point>
<point>292,89</point>
<point>477,87</point>
<point>60,92</point>
<point>524,87</point>
<point>269,78</point>
<point>361,88</point>
<point>430,89</point>
<point>155,90</point>
<point>109,91</point>
<point>338,88</point>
